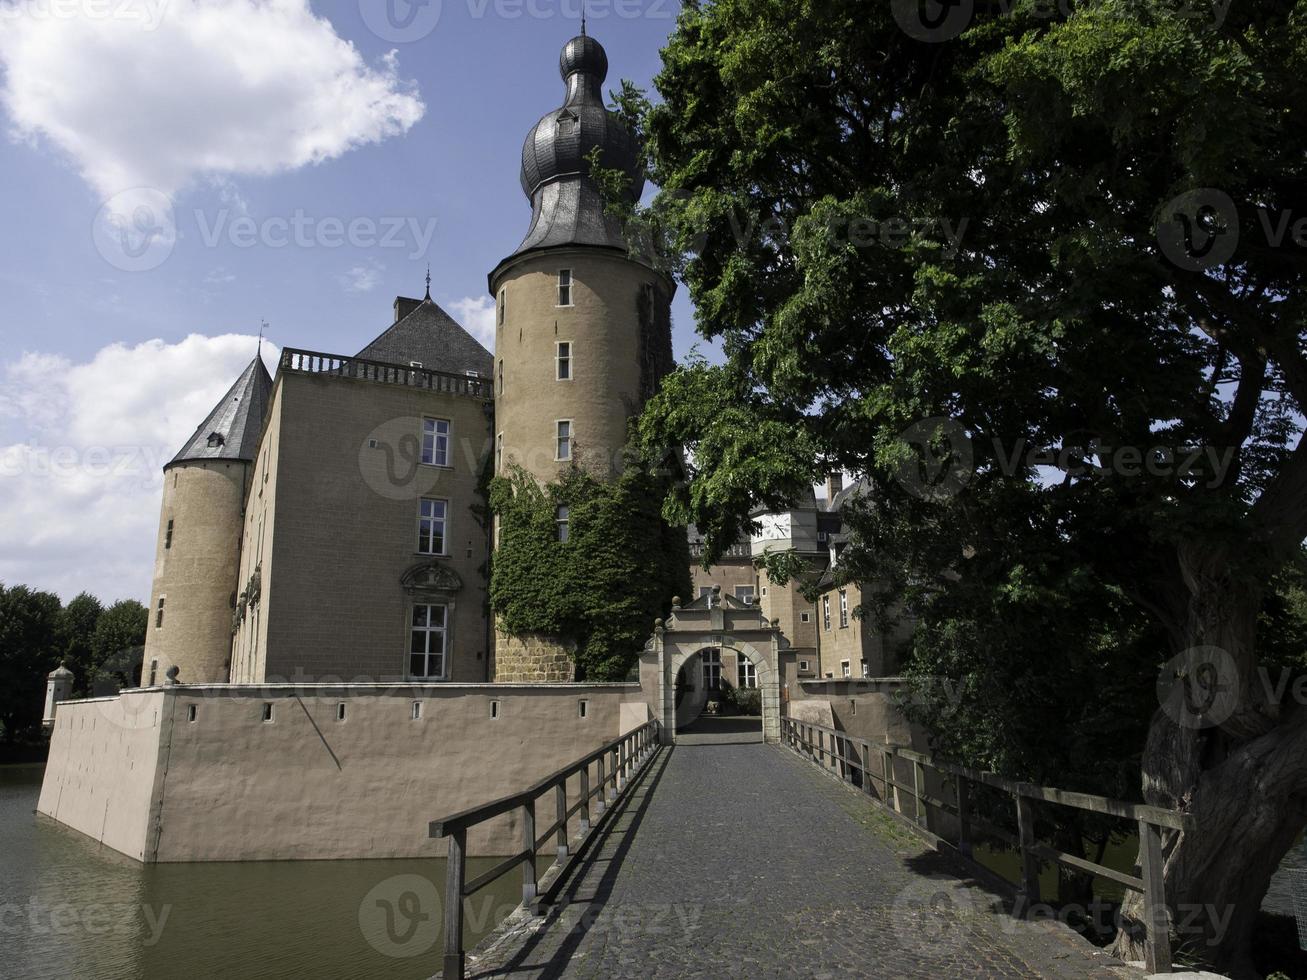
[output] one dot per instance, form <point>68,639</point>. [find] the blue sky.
<point>246,117</point>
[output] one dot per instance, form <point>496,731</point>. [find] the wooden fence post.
<point>1157,946</point>
<point>560,837</point>
<point>455,873</point>
<point>585,798</point>
<point>1029,863</point>
<point>891,790</point>
<point>866,768</point>
<point>602,784</point>
<point>963,794</point>
<point>918,791</point>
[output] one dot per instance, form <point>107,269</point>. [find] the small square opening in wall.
<point>494,709</point>
<point>417,711</point>
<point>805,617</point>
<point>340,711</point>
<point>190,712</point>
<point>803,665</point>
<point>267,711</point>
<point>582,708</point>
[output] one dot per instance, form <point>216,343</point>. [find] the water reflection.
<point>70,908</point>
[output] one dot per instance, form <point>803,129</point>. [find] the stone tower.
<point>198,550</point>
<point>583,323</point>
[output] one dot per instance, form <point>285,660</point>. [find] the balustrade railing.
<point>362,369</point>
<point>846,755</point>
<point>615,765</point>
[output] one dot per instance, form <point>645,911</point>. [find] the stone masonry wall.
<point>532,657</point>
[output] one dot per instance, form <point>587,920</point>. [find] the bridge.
<point>721,854</point>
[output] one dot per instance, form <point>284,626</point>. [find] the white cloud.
<point>82,447</point>
<point>192,88</point>
<point>477,314</point>
<point>362,278</point>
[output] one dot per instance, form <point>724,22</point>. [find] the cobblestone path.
<point>736,859</point>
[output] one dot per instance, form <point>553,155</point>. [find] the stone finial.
<point>172,674</point>
<point>658,625</point>
<point>776,623</point>
<point>676,602</point>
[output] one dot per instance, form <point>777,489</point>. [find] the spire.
<point>263,325</point>
<point>231,431</point>
<point>583,18</point>
<point>428,296</point>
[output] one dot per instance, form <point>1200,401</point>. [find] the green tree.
<point>120,628</point>
<point>77,631</point>
<point>931,256</point>
<point>29,650</point>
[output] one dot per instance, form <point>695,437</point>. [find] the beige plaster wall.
<point>103,771</point>
<point>229,786</point>
<point>197,574</point>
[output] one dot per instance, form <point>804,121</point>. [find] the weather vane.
<point>583,18</point>
<point>428,281</point>
<point>263,325</point>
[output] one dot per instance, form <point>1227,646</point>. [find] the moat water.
<point>71,908</point>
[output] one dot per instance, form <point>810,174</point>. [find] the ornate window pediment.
<point>431,579</point>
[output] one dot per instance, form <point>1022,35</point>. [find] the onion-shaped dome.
<point>566,206</point>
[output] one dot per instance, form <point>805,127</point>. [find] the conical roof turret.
<point>231,431</point>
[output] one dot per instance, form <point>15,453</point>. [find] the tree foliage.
<point>603,587</point>
<point>30,648</point>
<point>1016,275</point>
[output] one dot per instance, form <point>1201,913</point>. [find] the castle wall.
<point>341,483</point>
<point>195,570</point>
<point>103,771</point>
<point>230,786</point>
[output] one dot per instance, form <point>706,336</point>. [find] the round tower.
<point>197,556</point>
<point>583,322</point>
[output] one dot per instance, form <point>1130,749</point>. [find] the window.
<point>829,675</point>
<point>416,711</point>
<point>844,669</point>
<point>712,670</point>
<point>501,375</point>
<point>866,669</point>
<point>825,612</point>
<point>340,711</point>
<point>563,360</point>
<point>582,708</point>
<point>158,614</point>
<point>431,526</point>
<point>472,374</point>
<point>167,537</point>
<point>764,591</point>
<point>564,439</point>
<point>821,537</point>
<point>561,522</point>
<point>494,710</point>
<point>190,712</point>
<point>705,590</point>
<point>267,711</point>
<point>415,364</point>
<point>435,442</point>
<point>499,452</point>
<point>744,593</point>
<point>746,672</point>
<point>503,303</point>
<point>426,650</point>
<point>154,673</point>
<point>805,617</point>
<point>564,287</point>
<point>803,665</point>
<point>844,609</point>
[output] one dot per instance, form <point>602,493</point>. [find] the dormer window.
<point>215,440</point>
<point>566,124</point>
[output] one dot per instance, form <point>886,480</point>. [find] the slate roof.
<point>433,338</point>
<point>858,486</point>
<point>232,429</point>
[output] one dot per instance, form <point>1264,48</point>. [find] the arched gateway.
<point>714,622</point>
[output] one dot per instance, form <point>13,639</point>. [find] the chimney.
<point>404,306</point>
<point>834,483</point>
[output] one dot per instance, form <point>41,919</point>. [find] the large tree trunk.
<point>1234,759</point>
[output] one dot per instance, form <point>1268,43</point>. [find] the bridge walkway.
<point>732,858</point>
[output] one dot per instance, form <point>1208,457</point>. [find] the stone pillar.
<point>58,687</point>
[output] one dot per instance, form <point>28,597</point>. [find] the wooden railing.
<point>848,755</point>
<point>361,369</point>
<point>625,757</point>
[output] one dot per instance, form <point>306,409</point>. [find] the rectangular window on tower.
<point>564,437</point>
<point>167,537</point>
<point>499,452</point>
<point>427,635</point>
<point>503,303</point>
<point>435,442</point>
<point>562,522</point>
<point>501,375</point>
<point>564,287</point>
<point>825,612</point>
<point>431,526</point>
<point>844,609</point>
<point>563,361</point>
<point>158,614</point>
